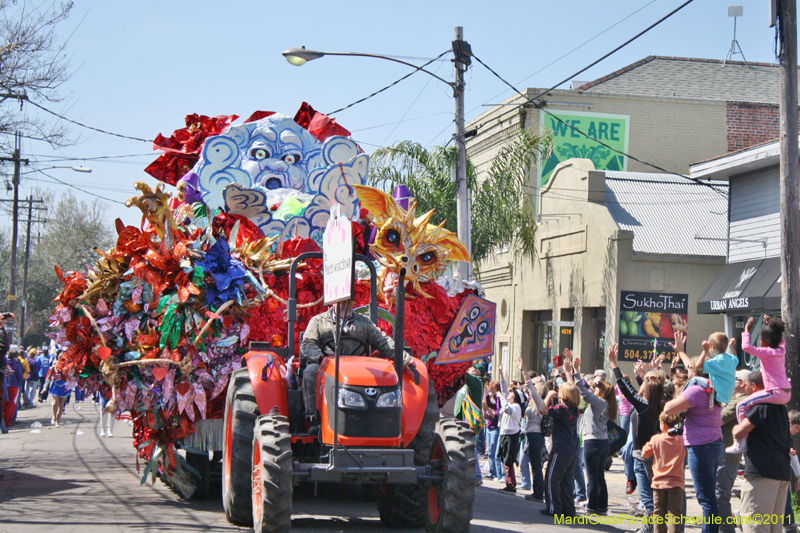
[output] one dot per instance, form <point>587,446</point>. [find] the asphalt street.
<point>69,479</point>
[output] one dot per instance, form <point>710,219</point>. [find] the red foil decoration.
<point>182,148</point>
<point>319,125</point>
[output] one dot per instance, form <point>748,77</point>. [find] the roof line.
<point>648,59</point>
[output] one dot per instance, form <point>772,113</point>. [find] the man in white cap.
<point>726,473</point>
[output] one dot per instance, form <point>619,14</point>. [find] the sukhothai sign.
<point>611,130</point>
<point>648,321</point>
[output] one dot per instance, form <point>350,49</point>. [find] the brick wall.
<point>749,124</point>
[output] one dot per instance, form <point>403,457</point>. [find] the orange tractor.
<point>379,425</point>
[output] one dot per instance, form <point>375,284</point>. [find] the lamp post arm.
<point>415,67</point>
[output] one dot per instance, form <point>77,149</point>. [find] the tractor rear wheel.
<point>272,475</point>
<point>450,500</point>
<point>405,505</point>
<point>241,412</point>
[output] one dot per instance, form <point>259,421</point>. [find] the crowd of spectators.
<point>704,415</point>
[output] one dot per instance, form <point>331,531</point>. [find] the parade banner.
<point>647,323</point>
<point>472,334</point>
<point>611,130</point>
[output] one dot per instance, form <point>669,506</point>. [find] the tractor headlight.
<point>348,398</point>
<point>390,399</point>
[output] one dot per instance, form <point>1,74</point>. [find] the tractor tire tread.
<point>237,501</point>
<point>272,435</point>
<point>459,483</point>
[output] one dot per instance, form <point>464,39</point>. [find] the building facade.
<point>667,113</point>
<point>750,283</point>
<point>613,232</point>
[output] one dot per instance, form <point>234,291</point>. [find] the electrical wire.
<point>82,190</point>
<point>438,134</point>
<point>402,121</point>
<point>568,53</point>
<point>65,158</point>
<point>428,82</point>
<point>570,126</point>
<point>590,65</point>
<point>86,126</point>
<point>390,85</point>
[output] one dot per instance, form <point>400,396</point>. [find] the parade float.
<point>217,285</point>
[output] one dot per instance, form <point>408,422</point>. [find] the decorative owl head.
<point>404,241</point>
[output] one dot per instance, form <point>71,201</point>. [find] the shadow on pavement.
<point>16,484</point>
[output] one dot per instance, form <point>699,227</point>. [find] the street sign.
<point>11,297</point>
<point>337,258</point>
<point>11,328</point>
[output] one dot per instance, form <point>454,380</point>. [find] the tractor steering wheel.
<point>330,344</point>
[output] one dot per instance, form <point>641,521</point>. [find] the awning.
<point>743,287</point>
<point>772,301</point>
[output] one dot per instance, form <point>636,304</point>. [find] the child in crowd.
<point>668,453</point>
<point>721,368</point>
<point>561,466</point>
<point>772,353</point>
<point>510,417</point>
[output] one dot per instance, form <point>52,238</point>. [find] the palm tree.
<point>501,208</point>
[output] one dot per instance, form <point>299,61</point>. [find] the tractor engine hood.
<point>364,371</point>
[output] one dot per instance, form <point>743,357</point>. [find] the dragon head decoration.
<point>406,241</point>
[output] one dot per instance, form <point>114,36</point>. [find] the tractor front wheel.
<point>405,505</point>
<point>450,500</point>
<point>241,411</point>
<point>272,475</point>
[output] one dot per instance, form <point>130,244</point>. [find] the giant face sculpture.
<point>404,241</point>
<point>271,153</point>
<point>279,154</point>
<point>249,169</point>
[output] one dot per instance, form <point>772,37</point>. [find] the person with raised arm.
<point>601,407</point>
<point>702,436</point>
<point>510,418</point>
<point>647,403</point>
<point>560,467</point>
<point>535,437</point>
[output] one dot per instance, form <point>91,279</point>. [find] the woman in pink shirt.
<point>625,423</point>
<point>772,354</point>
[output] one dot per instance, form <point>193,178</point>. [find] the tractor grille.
<point>364,422</point>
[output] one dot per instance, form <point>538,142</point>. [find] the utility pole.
<point>24,300</point>
<point>24,304</point>
<point>12,289</point>
<point>790,199</point>
<point>463,53</point>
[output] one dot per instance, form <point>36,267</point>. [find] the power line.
<point>82,190</point>
<point>412,104</point>
<point>584,69</point>
<point>570,126</point>
<point>89,127</point>
<point>391,84</point>
<point>96,158</point>
<point>568,53</point>
<point>402,121</point>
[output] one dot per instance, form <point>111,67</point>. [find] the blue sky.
<point>140,67</point>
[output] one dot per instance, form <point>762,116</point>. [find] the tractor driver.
<point>319,336</point>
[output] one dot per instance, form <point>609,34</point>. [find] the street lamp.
<point>463,54</point>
